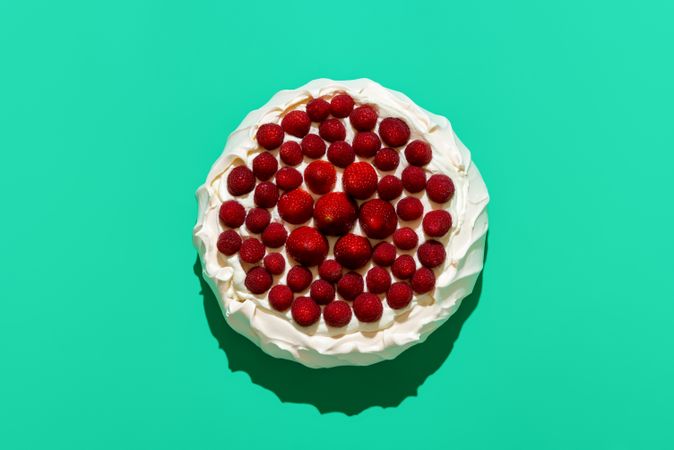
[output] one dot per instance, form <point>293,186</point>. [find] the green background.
<point>111,114</point>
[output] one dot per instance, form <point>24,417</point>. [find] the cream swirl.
<point>357,343</point>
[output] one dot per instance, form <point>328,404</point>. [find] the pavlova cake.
<point>342,224</point>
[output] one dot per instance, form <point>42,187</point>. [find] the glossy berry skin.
<point>320,176</point>
<point>405,238</point>
<point>423,280</point>
<point>251,251</point>
<point>350,285</point>
<point>305,311</point>
<point>275,235</point>
<point>269,136</point>
<point>240,181</point>
<point>296,206</point>
<point>404,267</point>
<point>288,179</point>
<point>318,110</point>
<point>352,251</point>
<point>257,220</point>
<point>341,105</point>
<point>366,144</point>
<point>298,278</point>
<point>322,292</point>
<point>291,153</point>
<point>332,130</point>
<point>266,194</point>
<point>378,280</point>
<point>258,280</point>
<point>335,214</point>
<point>313,146</point>
<point>368,307</point>
<point>264,166</point>
<point>399,295</point>
<point>280,297</point>
<point>414,179</point>
<point>394,132</point>
<point>440,188</point>
<point>229,242</point>
<point>330,270</point>
<point>377,218</point>
<point>307,246</point>
<point>341,154</point>
<point>384,254</point>
<point>232,213</point>
<point>337,314</point>
<point>418,153</point>
<point>363,118</point>
<point>437,223</point>
<point>296,123</point>
<point>410,208</point>
<point>360,180</point>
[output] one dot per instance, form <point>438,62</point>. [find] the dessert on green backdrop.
<point>342,224</point>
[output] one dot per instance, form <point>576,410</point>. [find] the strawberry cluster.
<point>343,287</point>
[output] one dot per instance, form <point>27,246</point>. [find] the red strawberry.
<point>229,242</point>
<point>399,295</point>
<point>275,263</point>
<point>264,166</point>
<point>368,307</point>
<point>269,135</point>
<point>257,220</point>
<point>330,270</point>
<point>405,238</point>
<point>378,280</point>
<point>313,146</point>
<point>366,144</point>
<point>296,123</point>
<point>386,159</point>
<point>423,280</point>
<point>389,187</point>
<point>337,314</point>
<point>280,297</point>
<point>352,251</point>
<point>440,188</point>
<point>307,246</point>
<point>296,206</point>
<point>410,208</point>
<point>332,130</point>
<point>360,180</point>
<point>288,178</point>
<point>232,213</point>
<point>414,179</point>
<point>350,285</point>
<point>394,132</point>
<point>437,223</point>
<point>318,110</point>
<point>363,118</point>
<point>291,153</point>
<point>403,267</point>
<point>252,251</point>
<point>266,195</point>
<point>418,153</point>
<point>384,254</point>
<point>431,254</point>
<point>298,278</point>
<point>335,214</point>
<point>341,154</point>
<point>305,311</point>
<point>341,105</point>
<point>377,218</point>
<point>258,280</point>
<point>274,235</point>
<point>240,181</point>
<point>322,292</point>
<point>320,176</point>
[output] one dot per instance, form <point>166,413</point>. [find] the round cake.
<point>341,225</point>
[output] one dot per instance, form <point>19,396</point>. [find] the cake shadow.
<point>347,389</point>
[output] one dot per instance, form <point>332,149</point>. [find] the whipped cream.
<point>358,343</point>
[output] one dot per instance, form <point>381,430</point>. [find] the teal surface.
<point>111,114</point>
